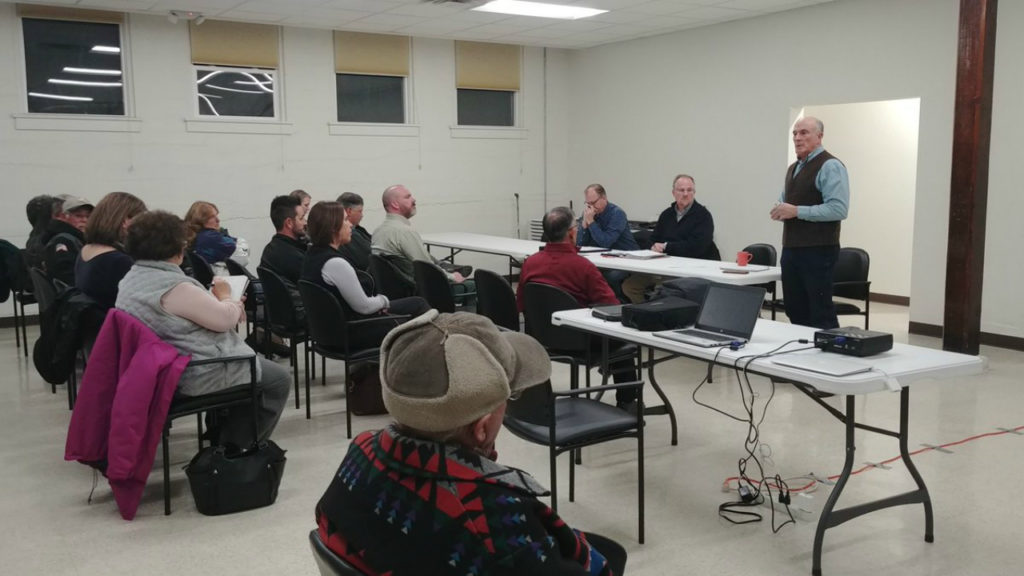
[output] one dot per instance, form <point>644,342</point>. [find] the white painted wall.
<point>877,141</point>
<point>460,183</point>
<point>717,102</point>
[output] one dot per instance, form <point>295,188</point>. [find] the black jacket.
<point>690,237</point>
<point>357,251</point>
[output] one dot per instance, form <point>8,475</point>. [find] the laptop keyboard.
<point>693,332</point>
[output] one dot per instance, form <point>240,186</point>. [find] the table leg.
<point>831,518</point>
<point>666,406</point>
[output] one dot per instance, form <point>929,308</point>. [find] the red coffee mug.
<point>743,258</point>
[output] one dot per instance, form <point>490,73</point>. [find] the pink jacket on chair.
<point>122,405</point>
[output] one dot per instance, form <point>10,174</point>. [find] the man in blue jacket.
<point>604,225</point>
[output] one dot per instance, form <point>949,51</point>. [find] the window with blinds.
<point>73,62</point>
<point>370,75</point>
<point>235,68</point>
<point>487,78</point>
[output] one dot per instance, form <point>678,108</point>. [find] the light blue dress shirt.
<point>834,184</point>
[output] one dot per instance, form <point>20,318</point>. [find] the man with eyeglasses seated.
<point>604,225</point>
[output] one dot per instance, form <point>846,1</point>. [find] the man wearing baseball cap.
<point>425,495</point>
<point>67,229</point>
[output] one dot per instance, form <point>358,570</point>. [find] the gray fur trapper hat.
<point>439,372</point>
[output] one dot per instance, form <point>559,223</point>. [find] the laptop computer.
<point>728,314</point>
<point>611,313</point>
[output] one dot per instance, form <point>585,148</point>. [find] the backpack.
<point>63,327</point>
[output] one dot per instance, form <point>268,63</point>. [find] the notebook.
<point>728,314</point>
<point>591,249</point>
<point>238,285</point>
<point>611,313</point>
<point>822,363</point>
<point>634,254</point>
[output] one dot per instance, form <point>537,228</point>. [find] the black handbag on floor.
<point>225,480</point>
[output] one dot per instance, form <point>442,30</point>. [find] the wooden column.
<point>968,196</point>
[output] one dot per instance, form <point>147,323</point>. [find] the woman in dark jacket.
<point>102,263</point>
<point>328,230</point>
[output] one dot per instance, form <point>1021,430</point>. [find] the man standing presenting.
<point>605,225</point>
<point>396,237</point>
<point>685,229</point>
<point>816,198</point>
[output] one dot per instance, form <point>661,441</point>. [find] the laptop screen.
<point>731,310</point>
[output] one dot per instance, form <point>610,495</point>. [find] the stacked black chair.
<point>850,280</point>
<point>329,563</point>
<point>331,332</point>
<point>188,405</point>
<point>388,279</point>
<point>567,422</point>
<point>496,300</point>
<point>765,255</point>
<point>282,320</point>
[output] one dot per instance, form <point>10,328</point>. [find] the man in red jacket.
<point>559,265</point>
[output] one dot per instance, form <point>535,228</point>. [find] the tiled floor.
<point>52,530</point>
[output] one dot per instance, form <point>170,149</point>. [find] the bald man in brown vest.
<point>815,199</point>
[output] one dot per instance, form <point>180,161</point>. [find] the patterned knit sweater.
<point>402,506</point>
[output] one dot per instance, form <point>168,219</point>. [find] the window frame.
<point>277,95</point>
<point>516,112</point>
<point>125,122</point>
<point>406,101</point>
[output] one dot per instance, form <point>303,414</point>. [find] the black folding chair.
<point>332,334</point>
<point>496,300</point>
<point>284,321</point>
<point>432,285</point>
<point>188,405</point>
<point>765,255</point>
<point>568,421</point>
<point>389,279</point>
<point>850,280</point>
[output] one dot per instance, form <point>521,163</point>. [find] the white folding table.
<point>892,370</point>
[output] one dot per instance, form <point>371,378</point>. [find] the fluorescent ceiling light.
<point>59,97</point>
<point>93,71</point>
<point>84,83</point>
<point>106,49</point>
<point>539,9</point>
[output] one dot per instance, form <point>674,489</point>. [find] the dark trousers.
<point>372,336</point>
<point>614,279</point>
<point>807,285</point>
<point>612,551</point>
<point>622,371</point>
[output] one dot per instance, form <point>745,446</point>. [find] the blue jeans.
<point>807,285</point>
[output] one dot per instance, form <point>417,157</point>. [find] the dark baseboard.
<point>8,322</point>
<point>933,330</point>
<point>986,338</point>
<point>890,299</point>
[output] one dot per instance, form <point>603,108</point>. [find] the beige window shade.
<point>363,53</point>
<point>223,43</point>
<point>483,66</point>
<point>62,13</point>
